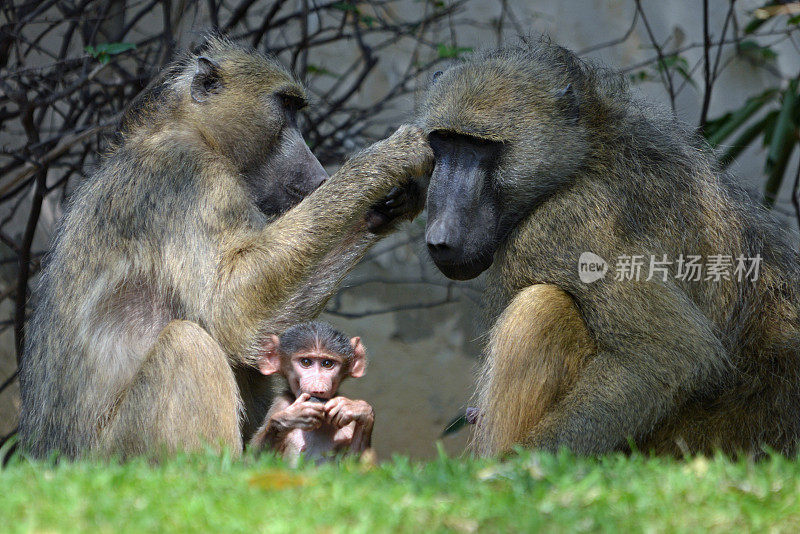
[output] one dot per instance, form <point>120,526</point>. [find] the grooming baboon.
<point>541,157</point>
<point>186,249</point>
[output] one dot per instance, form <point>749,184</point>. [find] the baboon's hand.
<point>341,411</point>
<point>472,415</point>
<point>403,201</point>
<point>405,154</point>
<point>412,141</point>
<point>302,414</point>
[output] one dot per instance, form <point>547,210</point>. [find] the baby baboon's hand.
<point>341,411</point>
<point>302,414</point>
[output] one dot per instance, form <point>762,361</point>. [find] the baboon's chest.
<point>317,444</point>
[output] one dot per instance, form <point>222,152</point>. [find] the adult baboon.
<point>189,245</point>
<point>540,158</point>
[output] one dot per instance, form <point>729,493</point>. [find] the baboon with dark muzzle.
<point>541,158</point>
<point>210,228</point>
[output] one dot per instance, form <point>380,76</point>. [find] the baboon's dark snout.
<point>441,241</point>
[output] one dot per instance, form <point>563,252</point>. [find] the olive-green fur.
<point>165,276</point>
<point>679,365</point>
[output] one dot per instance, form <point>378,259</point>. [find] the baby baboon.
<point>198,238</point>
<point>309,416</point>
<point>541,158</point>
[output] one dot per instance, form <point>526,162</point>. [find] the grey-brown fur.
<point>677,366</point>
<point>167,272</point>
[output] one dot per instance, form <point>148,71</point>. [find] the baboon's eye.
<point>442,140</point>
<point>305,362</point>
<point>441,135</point>
<point>327,364</point>
<point>292,103</point>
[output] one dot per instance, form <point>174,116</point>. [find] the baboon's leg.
<point>536,349</point>
<point>184,397</point>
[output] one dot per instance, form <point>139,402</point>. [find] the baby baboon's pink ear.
<point>269,361</point>
<point>359,364</point>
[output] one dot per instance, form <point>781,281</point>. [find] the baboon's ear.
<point>207,79</point>
<point>568,100</point>
<point>269,362</point>
<point>359,364</point>
<point>436,76</point>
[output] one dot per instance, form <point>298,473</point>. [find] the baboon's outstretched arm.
<point>260,276</point>
<point>310,298</point>
<point>637,364</point>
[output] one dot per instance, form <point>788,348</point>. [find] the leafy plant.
<point>103,51</point>
<point>450,52</point>
<point>678,64</point>
<point>778,128</point>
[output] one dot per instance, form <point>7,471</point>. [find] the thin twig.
<point>8,381</point>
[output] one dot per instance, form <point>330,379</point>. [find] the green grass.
<point>551,493</point>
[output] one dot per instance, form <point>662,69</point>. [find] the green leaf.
<point>776,174</point>
<point>344,6</point>
<point>770,127</point>
<point>437,4</point>
<point>713,125</point>
<point>785,125</point>
<point>722,130</point>
<point>754,50</point>
<point>746,138</point>
<point>793,21</point>
<point>679,65</point>
<point>754,25</point>
<point>102,52</point>
<point>321,71</point>
<point>446,51</point>
<point>781,144</point>
<point>115,48</point>
<point>640,76</point>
